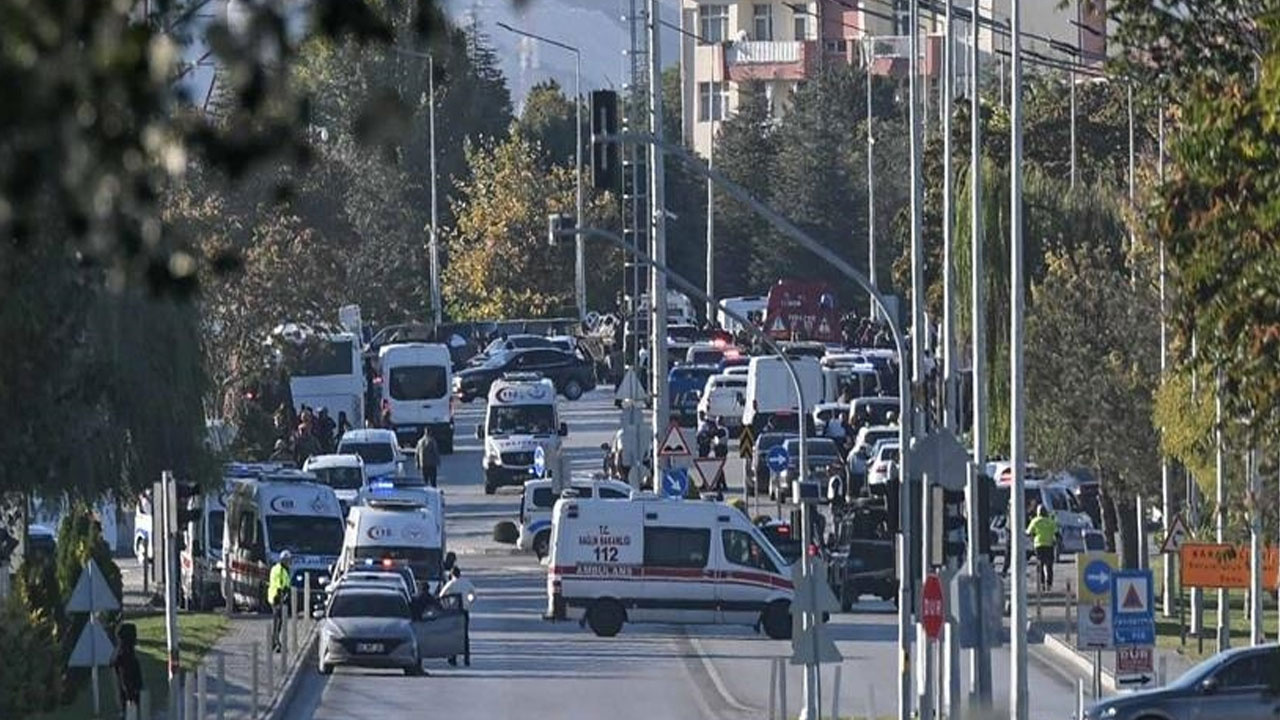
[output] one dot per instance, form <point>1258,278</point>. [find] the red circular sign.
<point>931,607</point>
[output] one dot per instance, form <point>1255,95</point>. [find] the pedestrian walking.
<point>428,457</point>
<point>343,424</point>
<point>124,661</point>
<point>466,592</point>
<point>278,596</point>
<point>324,427</point>
<point>1043,530</point>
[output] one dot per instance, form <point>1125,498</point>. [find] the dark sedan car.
<point>572,373</point>
<point>825,460</point>
<point>1239,684</point>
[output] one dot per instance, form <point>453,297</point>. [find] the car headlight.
<point>1108,712</point>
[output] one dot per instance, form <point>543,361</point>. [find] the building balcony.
<point>770,60</point>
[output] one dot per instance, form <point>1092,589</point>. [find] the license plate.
<point>369,648</point>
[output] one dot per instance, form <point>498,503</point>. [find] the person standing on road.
<point>428,457</point>
<point>466,593</point>
<point>1043,530</point>
<point>278,596</point>
<point>128,670</point>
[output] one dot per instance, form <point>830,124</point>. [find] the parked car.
<point>504,345</point>
<point>1241,684</point>
<point>825,460</point>
<point>571,373</point>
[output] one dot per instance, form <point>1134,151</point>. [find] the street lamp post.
<point>579,257</point>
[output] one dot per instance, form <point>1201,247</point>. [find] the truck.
<point>802,310</point>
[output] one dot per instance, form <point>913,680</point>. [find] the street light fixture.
<point>579,258</point>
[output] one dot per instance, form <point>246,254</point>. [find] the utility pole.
<point>1220,471</point>
<point>1256,636</point>
<point>869,44</point>
<point>711,215</point>
<point>950,401</point>
<point>435,218</point>
<point>657,250</point>
<point>1018,509</point>
<point>1193,511</point>
<point>979,657</point>
<point>1071,83</point>
<point>1166,482</point>
<point>1133,182</point>
<point>579,253</point>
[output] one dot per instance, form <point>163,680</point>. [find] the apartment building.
<point>726,43</point>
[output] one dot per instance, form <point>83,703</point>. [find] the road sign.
<point>942,458</point>
<point>777,458</point>
<point>1093,609</point>
<point>746,443</point>
<point>1133,619</point>
<point>91,593</point>
<point>1177,535</point>
<point>1212,565</point>
<point>931,612</point>
<point>813,594</point>
<point>539,462</point>
<point>1134,665</point>
<point>93,647</point>
<point>709,469</point>
<point>675,482</point>
<point>674,445</point>
<point>630,388</point>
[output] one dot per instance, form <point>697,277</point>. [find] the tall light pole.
<point>579,256</point>
<point>1220,511</point>
<point>436,313</point>
<point>1166,482</point>
<point>980,658</point>
<point>870,47</point>
<point>1018,511</point>
<point>658,248</point>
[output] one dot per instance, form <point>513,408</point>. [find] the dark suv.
<point>572,373</point>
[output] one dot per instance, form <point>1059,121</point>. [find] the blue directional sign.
<point>1133,619</point>
<point>777,458</point>
<point>539,462</point>
<point>1097,577</point>
<point>675,482</point>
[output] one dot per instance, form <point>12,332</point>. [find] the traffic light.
<point>606,162</point>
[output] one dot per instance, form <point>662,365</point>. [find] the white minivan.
<point>770,391</point>
<point>651,560</point>
<point>416,382</point>
<point>720,399</point>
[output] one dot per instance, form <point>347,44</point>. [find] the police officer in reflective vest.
<point>278,596</point>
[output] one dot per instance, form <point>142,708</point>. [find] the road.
<point>526,667</point>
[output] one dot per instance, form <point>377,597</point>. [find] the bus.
<point>326,370</point>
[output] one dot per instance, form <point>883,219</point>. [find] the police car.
<point>538,499</point>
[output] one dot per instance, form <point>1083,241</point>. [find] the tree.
<point>548,120</point>
<point>1092,360</point>
<point>501,265</point>
<point>746,152</point>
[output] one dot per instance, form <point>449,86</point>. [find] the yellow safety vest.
<point>277,583</point>
<point>1043,531</point>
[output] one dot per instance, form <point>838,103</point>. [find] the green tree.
<point>548,120</point>
<point>1092,359</point>
<point>746,152</point>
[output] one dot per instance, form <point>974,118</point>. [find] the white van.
<point>521,417</point>
<point>378,448</point>
<point>720,399</point>
<point>282,510</point>
<point>651,560</point>
<point>770,390</point>
<point>398,531</point>
<point>416,382</point>
<point>538,499</point>
<point>343,473</point>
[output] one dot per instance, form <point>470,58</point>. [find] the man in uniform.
<point>278,596</point>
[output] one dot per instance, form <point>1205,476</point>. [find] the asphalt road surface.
<point>525,667</point>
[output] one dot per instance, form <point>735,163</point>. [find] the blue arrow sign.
<point>539,462</point>
<point>675,482</point>
<point>777,458</point>
<point>1097,577</point>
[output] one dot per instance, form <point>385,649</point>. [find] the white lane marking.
<point>716,680</point>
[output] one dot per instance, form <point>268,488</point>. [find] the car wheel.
<point>415,669</point>
<point>542,544</point>
<point>606,617</point>
<point>326,669</point>
<point>776,620</point>
<point>572,389</point>
<point>846,600</point>
<point>488,488</point>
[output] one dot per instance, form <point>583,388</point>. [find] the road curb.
<point>1084,665</point>
<point>293,677</point>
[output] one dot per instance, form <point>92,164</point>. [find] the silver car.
<point>369,627</point>
<point>1240,684</point>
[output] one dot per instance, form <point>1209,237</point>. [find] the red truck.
<point>802,310</point>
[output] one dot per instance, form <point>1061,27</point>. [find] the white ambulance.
<point>651,560</point>
<point>396,530</point>
<point>521,417</point>
<point>281,510</point>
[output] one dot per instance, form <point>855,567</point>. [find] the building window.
<point>837,46</point>
<point>713,23</point>
<point>762,14</point>
<point>713,101</point>
<point>802,27</point>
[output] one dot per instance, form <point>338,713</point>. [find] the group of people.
<point>864,332</point>
<point>310,432</point>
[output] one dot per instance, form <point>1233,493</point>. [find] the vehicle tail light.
<point>784,530</point>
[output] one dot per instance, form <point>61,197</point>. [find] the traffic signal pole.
<point>658,251</point>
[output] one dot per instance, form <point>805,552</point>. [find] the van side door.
<point>678,584</point>
<point>747,577</point>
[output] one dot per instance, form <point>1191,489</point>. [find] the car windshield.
<point>373,453</point>
<point>522,420</point>
<point>305,534</point>
<point>368,604</point>
<point>426,382</point>
<point>340,478</point>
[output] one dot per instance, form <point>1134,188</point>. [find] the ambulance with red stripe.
<point>648,560</point>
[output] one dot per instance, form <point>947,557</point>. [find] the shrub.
<point>32,677</point>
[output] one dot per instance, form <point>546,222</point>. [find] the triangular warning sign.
<point>674,445</point>
<point>91,593</point>
<point>1132,600</point>
<point>1177,535</point>
<point>778,325</point>
<point>709,468</point>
